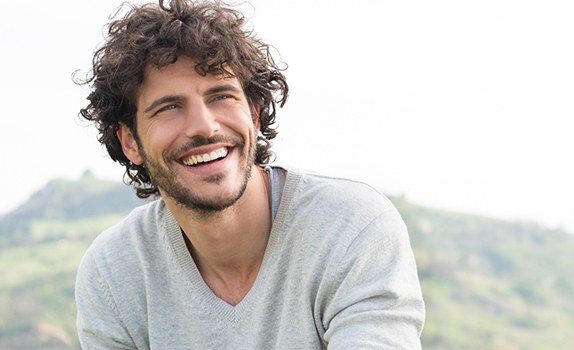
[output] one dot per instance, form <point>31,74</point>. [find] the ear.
<point>129,144</point>
<point>256,116</point>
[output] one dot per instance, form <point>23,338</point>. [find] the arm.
<point>377,301</point>
<point>98,319</point>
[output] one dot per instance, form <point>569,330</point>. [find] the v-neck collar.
<point>192,276</point>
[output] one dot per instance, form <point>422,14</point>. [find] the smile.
<point>206,157</point>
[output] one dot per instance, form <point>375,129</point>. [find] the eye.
<point>166,108</point>
<point>221,98</point>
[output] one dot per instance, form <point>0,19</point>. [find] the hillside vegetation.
<point>491,284</point>
<point>488,284</point>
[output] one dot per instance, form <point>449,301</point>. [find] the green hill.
<point>41,243</point>
<point>488,284</point>
<point>491,284</point>
<point>60,203</point>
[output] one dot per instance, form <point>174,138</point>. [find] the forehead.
<point>183,70</point>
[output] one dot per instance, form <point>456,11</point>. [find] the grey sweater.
<point>338,273</point>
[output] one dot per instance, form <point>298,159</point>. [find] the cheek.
<point>157,141</point>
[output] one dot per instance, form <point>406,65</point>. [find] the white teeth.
<point>207,157</point>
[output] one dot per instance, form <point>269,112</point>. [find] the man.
<point>233,253</point>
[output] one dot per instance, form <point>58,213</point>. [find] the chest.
<point>281,317</point>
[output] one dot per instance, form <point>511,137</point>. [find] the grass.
<point>37,290</point>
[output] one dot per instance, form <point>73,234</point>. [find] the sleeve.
<point>377,301</point>
<point>98,320</point>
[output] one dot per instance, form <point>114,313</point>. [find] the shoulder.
<point>136,225</point>
<point>117,262</point>
<point>338,209</point>
<point>331,194</point>
<point>123,242</point>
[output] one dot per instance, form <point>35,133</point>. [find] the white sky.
<point>461,105</point>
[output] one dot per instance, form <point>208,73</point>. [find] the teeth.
<point>207,157</point>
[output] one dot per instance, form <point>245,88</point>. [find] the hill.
<point>64,201</point>
<point>41,243</point>
<point>492,284</point>
<point>487,283</point>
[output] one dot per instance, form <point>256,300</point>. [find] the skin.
<point>181,114</point>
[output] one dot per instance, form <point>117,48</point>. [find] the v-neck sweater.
<point>338,273</point>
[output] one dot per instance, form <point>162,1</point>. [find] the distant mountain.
<point>66,200</point>
<point>487,283</point>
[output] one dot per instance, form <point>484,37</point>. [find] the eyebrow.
<point>210,91</point>
<point>162,100</point>
<point>222,88</point>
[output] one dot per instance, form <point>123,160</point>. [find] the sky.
<point>465,106</point>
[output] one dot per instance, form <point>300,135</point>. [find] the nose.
<point>201,121</point>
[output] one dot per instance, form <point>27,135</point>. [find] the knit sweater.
<point>338,273</point>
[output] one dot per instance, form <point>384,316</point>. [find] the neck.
<point>228,246</point>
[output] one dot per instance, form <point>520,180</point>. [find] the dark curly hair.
<point>212,34</point>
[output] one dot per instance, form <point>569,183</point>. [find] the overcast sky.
<point>460,105</point>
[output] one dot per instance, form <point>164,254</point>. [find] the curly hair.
<point>213,35</point>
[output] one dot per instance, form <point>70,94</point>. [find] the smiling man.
<point>232,253</point>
